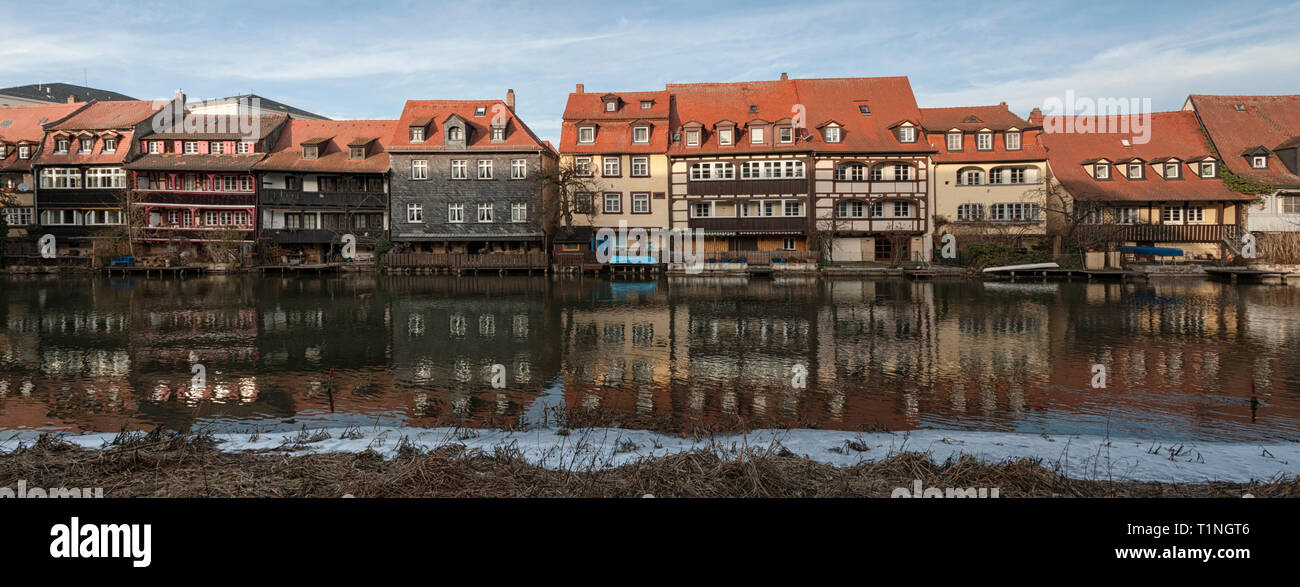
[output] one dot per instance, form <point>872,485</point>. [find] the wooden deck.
<point>306,267</point>
<point>1243,273</point>
<point>159,271</point>
<point>1058,273</point>
<point>458,263</point>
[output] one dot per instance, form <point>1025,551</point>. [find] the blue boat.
<point>1154,251</point>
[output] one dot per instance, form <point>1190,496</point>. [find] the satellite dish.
<point>22,187</point>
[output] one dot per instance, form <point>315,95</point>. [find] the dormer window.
<point>191,147</point>
<point>984,141</point>
<point>4,150</point>
<point>692,138</point>
<point>356,153</point>
<point>309,151</point>
<point>1171,170</point>
<point>611,106</point>
<point>641,135</point>
<point>907,134</point>
<point>417,134</point>
<point>87,145</point>
<point>1259,162</point>
<point>110,145</point>
<point>455,133</point>
<point>244,147</point>
<point>498,133</point>
<point>725,136</point>
<point>1101,171</point>
<point>24,152</point>
<point>1012,140</point>
<point>647,104</point>
<point>216,147</point>
<point>586,134</point>
<point>832,134</point>
<point>756,136</point>
<point>155,147</point>
<point>954,141</point>
<point>1135,170</point>
<point>787,134</point>
<point>1207,170</point>
<point>61,146</point>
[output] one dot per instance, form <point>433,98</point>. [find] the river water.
<point>245,352</point>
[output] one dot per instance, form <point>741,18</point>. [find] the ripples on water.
<point>676,354</point>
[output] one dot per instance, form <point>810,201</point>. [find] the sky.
<point>363,60</point>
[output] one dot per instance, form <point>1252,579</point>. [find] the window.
<point>787,134</point>
<point>724,136</point>
<point>24,152</point>
<point>612,165</point>
<point>455,213</point>
<point>518,168</point>
<point>480,111</point>
<point>485,212</point>
<point>850,209</point>
<point>191,147</point>
<point>613,203</point>
<point>756,136</point>
<point>455,133</point>
<point>850,172</point>
<point>1012,140</point>
<point>155,146</point>
<point>1016,212</point>
<point>640,167</point>
<point>788,244</point>
<point>498,133</point>
<point>902,210</point>
<point>459,169</point>
<point>641,135</point>
<point>216,147</point>
<point>61,145</point>
<point>357,152</point>
<point>95,217</point>
<point>767,209</point>
<point>1101,171</point>
<point>832,134</point>
<point>712,171</point>
<point>984,141</point>
<point>519,212</point>
<point>692,138</point>
<point>877,209</point>
<point>414,213</point>
<point>954,141</point>
<point>640,203</point>
<point>1290,204</point>
<point>244,147</point>
<point>485,169</point>
<point>970,212</point>
<point>101,178</point>
<point>1196,214</point>
<point>1171,215</point>
<point>1135,170</point>
<point>582,166</point>
<point>864,109</point>
<point>587,134</point>
<point>417,134</point>
<point>110,145</point>
<point>647,104</point>
<point>792,208</point>
<point>878,172</point>
<point>772,170</point>
<point>1259,162</point>
<point>1171,171</point>
<point>1016,175</point>
<point>1126,215</point>
<point>310,151</point>
<point>60,178</point>
<point>902,172</point>
<point>611,106</point>
<point>907,134</point>
<point>1207,169</point>
<point>246,184</point>
<point>702,210</point>
<point>419,169</point>
<point>18,216</point>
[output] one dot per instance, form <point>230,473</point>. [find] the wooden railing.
<point>752,224</point>
<point>760,257</point>
<point>467,261</point>
<point>1165,233</point>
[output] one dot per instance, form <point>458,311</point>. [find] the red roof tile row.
<point>973,119</point>
<point>433,115</point>
<point>24,124</point>
<point>1237,124</point>
<point>334,153</point>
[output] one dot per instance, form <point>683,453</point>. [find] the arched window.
<point>851,209</point>
<point>850,172</point>
<point>970,176</point>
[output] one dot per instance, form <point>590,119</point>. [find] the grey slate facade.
<point>439,190</point>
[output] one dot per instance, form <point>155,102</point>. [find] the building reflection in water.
<point>676,354</point>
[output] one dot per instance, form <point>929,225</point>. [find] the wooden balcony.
<point>753,224</point>
<point>144,198</point>
<point>299,198</point>
<point>1163,233</point>
<point>281,236</point>
<point>459,261</point>
<point>742,187</point>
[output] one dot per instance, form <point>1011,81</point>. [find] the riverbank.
<point>193,466</point>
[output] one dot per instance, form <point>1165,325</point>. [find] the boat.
<point>1025,267</point>
<point>1153,251</point>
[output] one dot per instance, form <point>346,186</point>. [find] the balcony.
<point>194,198</point>
<point>283,236</point>
<point>752,224</point>
<point>1163,233</point>
<point>459,261</point>
<point>299,198</point>
<point>746,187</point>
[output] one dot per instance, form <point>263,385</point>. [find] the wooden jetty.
<point>302,268</point>
<point>159,271</point>
<point>1243,273</point>
<point>1059,273</point>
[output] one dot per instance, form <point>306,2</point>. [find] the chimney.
<point>72,98</point>
<point>510,100</point>
<point>784,76</point>
<point>180,98</point>
<point>579,90</point>
<point>1003,103</point>
<point>1036,117</point>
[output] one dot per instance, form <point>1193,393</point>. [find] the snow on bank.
<point>1082,457</point>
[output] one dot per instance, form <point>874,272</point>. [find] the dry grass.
<point>160,464</point>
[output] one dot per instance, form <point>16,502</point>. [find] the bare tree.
<point>574,190</point>
<point>1079,224</point>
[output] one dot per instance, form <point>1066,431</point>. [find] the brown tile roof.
<point>334,157</point>
<point>971,118</point>
<point>1172,134</point>
<point>614,129</point>
<point>999,118</point>
<point>433,114</point>
<point>181,162</point>
<point>111,115</point>
<point>24,124</point>
<point>889,99</point>
<point>217,128</point>
<point>1269,121</point>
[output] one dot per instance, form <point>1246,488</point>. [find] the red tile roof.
<point>436,112</point>
<point>335,155</point>
<point>24,123</point>
<point>1172,134</point>
<point>99,116</point>
<point>819,101</point>
<point>614,129</point>
<point>971,119</point>
<point>205,127</point>
<point>1268,121</point>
